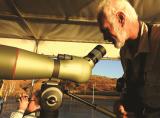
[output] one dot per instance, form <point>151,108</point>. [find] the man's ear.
<point>121,18</point>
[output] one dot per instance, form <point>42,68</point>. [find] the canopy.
<point>61,26</point>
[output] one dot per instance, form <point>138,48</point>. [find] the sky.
<point>108,68</point>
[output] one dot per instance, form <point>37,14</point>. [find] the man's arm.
<point>17,114</point>
<point>119,108</point>
<point>23,104</point>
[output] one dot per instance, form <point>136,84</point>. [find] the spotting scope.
<point>19,64</point>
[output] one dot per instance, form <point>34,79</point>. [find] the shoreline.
<point>95,97</point>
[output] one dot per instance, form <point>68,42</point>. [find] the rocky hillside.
<point>99,83</point>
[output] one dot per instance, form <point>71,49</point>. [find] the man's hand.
<point>120,111</point>
<point>23,102</point>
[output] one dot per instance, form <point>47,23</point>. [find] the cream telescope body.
<point>20,64</point>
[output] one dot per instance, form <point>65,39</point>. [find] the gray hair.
<point>108,8</point>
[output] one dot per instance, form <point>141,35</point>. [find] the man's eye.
<point>105,31</point>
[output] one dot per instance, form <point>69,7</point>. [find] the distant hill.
<point>100,83</point>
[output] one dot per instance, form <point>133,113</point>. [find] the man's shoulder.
<point>153,25</point>
<point>155,32</point>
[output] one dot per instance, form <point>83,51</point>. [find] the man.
<point>139,45</point>
<point>28,108</point>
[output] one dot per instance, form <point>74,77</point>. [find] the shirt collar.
<point>143,46</point>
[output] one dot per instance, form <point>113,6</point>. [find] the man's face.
<point>113,32</point>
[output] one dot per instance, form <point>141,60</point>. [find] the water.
<point>70,108</point>
<point>76,109</point>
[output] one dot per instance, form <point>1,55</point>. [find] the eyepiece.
<point>52,100</point>
<point>97,53</point>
